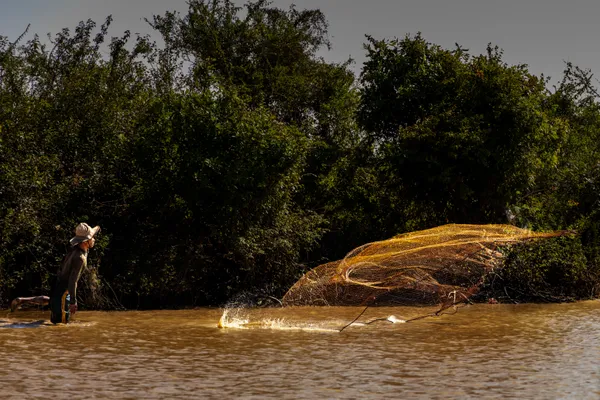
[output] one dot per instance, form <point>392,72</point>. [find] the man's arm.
<point>76,268</point>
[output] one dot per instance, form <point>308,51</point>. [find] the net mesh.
<point>440,266</point>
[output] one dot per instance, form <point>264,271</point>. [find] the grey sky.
<point>539,33</point>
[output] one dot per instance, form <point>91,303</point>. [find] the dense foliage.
<point>554,270</point>
<point>232,158</point>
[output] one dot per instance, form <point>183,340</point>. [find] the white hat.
<point>83,232</point>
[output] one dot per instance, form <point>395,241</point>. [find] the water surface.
<point>482,351</point>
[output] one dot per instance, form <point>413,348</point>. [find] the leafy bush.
<point>545,271</point>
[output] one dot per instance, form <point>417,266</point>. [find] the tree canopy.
<point>231,157</point>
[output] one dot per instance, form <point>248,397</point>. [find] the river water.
<point>480,352</point>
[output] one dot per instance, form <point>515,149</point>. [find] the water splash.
<point>244,312</point>
<point>229,319</point>
<point>240,318</point>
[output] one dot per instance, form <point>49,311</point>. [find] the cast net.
<point>441,267</point>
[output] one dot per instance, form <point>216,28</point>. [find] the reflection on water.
<point>483,351</point>
<point>22,324</point>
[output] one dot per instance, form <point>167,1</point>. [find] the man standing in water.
<point>63,297</point>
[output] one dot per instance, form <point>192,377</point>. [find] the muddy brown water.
<point>480,352</point>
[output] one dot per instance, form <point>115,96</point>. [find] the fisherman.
<point>63,296</point>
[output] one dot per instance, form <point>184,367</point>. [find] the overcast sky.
<point>539,33</point>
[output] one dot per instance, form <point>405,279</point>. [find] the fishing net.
<point>441,267</point>
<point>93,292</point>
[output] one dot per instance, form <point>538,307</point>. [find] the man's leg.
<point>37,300</point>
<point>59,308</point>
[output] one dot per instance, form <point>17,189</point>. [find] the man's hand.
<point>72,308</point>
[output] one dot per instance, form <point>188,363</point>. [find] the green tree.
<point>268,57</point>
<point>196,183</point>
<point>461,138</point>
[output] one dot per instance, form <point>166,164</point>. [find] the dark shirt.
<point>70,270</point>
